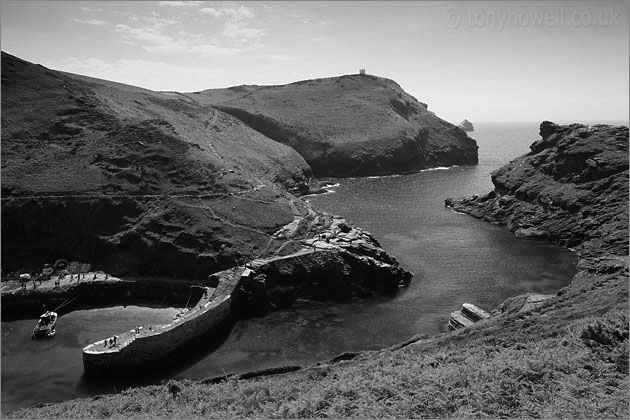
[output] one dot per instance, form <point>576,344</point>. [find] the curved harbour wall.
<point>149,349</point>
<point>140,350</point>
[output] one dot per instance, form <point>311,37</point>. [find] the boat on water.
<point>458,320</point>
<point>474,313</point>
<point>466,316</point>
<point>46,325</point>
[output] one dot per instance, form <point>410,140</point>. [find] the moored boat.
<point>474,313</point>
<point>458,320</point>
<point>45,327</point>
<point>466,316</point>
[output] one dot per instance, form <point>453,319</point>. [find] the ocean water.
<point>455,259</point>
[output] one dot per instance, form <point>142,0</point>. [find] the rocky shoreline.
<point>571,189</point>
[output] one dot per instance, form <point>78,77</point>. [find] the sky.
<point>485,61</point>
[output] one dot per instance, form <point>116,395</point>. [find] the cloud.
<point>242,12</point>
<point>212,12</point>
<point>237,30</point>
<point>181,3</point>
<point>157,34</point>
<point>95,22</point>
<point>156,75</point>
<point>151,38</point>
<point>147,34</point>
<point>91,10</point>
<point>236,24</point>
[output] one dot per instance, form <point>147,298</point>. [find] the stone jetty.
<point>145,348</point>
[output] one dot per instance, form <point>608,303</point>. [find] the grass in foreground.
<point>577,371</point>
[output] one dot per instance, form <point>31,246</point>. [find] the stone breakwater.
<point>572,189</point>
<point>337,262</point>
<point>140,350</point>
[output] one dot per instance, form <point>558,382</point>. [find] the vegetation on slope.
<point>572,369</point>
<point>134,181</point>
<point>351,125</point>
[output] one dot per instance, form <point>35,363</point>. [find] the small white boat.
<point>474,313</point>
<point>46,325</point>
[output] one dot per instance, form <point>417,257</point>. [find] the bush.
<point>608,337</point>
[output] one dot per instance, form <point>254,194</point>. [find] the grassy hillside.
<point>348,125</point>
<point>131,180</point>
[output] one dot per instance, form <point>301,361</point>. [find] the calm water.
<point>455,258</point>
<point>50,370</point>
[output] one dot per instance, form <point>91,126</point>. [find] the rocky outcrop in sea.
<point>466,126</point>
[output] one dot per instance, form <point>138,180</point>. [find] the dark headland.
<point>352,125</point>
<point>101,182</point>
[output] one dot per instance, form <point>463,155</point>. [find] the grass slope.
<point>134,181</point>
<point>348,125</point>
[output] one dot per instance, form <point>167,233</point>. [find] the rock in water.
<point>351,125</point>
<point>466,126</point>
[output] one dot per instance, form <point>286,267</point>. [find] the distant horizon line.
<point>593,121</point>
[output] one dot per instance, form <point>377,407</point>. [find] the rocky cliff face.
<point>572,189</point>
<point>351,125</point>
<point>340,261</point>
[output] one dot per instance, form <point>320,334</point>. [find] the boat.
<point>46,325</point>
<point>466,316</point>
<point>458,320</point>
<point>474,313</point>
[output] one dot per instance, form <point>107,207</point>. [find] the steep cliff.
<point>572,189</point>
<point>351,125</point>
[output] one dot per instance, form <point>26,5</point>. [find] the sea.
<point>455,259</point>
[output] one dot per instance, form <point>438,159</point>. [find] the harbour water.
<point>455,259</point>
<point>51,369</point>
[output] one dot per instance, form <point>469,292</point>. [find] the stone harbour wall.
<point>153,350</point>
